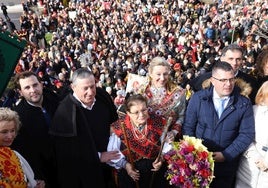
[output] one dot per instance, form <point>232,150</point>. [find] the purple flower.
<point>187,166</point>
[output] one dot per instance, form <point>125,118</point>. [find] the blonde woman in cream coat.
<point>253,169</point>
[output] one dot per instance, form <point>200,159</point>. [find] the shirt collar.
<point>32,104</point>
<point>84,105</point>
<point>216,95</point>
<point>236,73</point>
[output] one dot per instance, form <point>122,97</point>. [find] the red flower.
<point>183,165</point>
<point>202,155</point>
<point>204,173</point>
<point>181,179</point>
<point>190,148</point>
<point>190,164</point>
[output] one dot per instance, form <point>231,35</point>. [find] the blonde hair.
<point>158,61</point>
<point>262,93</point>
<point>161,61</point>
<point>6,114</point>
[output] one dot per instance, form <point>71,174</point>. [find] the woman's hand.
<point>260,163</point>
<point>157,165</point>
<point>170,137</point>
<point>132,172</point>
<point>40,184</point>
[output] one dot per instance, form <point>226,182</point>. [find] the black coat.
<point>33,141</point>
<point>78,136</point>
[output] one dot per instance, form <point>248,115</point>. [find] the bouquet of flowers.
<point>190,164</point>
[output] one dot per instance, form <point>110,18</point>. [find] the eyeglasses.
<point>225,80</point>
<point>143,111</point>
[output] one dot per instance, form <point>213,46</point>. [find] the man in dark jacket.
<point>232,54</point>
<point>36,109</point>
<point>81,130</point>
<point>224,120</point>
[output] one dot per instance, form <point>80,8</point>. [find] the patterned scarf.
<point>146,146</point>
<point>11,173</point>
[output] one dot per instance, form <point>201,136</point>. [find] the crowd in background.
<point>170,42</point>
<point>114,38</point>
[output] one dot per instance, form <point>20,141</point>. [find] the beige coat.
<point>248,175</point>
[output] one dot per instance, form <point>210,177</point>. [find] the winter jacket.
<point>230,134</point>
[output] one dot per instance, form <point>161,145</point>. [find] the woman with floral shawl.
<point>15,172</point>
<point>139,137</point>
<point>165,98</point>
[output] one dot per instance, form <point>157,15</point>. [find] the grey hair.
<point>232,47</point>
<point>80,74</point>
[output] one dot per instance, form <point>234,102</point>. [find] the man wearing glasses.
<point>223,119</point>
<point>232,54</point>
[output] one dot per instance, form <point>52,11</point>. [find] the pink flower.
<point>190,165</point>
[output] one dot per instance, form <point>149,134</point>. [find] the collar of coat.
<point>65,125</point>
<point>244,87</point>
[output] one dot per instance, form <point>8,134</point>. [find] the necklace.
<point>158,94</point>
<point>140,132</point>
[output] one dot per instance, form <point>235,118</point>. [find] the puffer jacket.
<point>230,134</point>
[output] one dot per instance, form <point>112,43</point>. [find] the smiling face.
<point>159,76</point>
<point>7,133</point>
<point>85,89</point>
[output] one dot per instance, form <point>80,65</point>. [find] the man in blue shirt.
<point>228,134</point>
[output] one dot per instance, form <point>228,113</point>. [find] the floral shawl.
<point>11,173</point>
<point>147,147</point>
<point>171,105</point>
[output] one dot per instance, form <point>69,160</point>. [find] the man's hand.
<point>218,157</point>
<point>109,155</point>
<point>40,184</point>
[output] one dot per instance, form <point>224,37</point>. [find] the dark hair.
<point>131,99</point>
<point>261,61</point>
<point>24,75</point>
<point>221,65</point>
<point>231,47</point>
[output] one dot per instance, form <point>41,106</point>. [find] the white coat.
<point>248,175</point>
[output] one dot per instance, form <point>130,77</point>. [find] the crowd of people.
<point>114,38</point>
<point>203,65</point>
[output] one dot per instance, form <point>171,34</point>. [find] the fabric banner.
<point>11,48</point>
<point>134,82</point>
